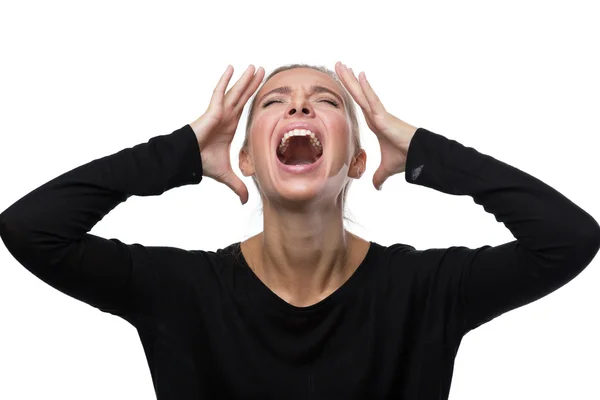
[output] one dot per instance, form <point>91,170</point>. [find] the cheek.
<point>261,149</point>
<point>259,135</point>
<point>342,143</point>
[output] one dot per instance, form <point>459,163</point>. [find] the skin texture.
<point>304,253</point>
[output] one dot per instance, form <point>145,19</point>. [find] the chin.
<point>298,191</point>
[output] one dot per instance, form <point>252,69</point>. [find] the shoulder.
<point>392,252</point>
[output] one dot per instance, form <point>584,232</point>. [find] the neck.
<point>304,256</point>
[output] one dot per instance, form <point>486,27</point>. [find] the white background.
<point>517,80</point>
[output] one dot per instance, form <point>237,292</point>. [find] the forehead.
<point>299,78</point>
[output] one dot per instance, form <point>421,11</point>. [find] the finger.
<point>379,177</point>
<point>234,183</point>
<point>354,79</point>
<point>232,97</point>
<point>353,75</point>
<point>352,85</point>
<point>218,93</point>
<point>242,191</point>
<point>347,80</point>
<point>343,74</point>
<point>363,93</point>
<point>374,102</point>
<point>258,77</point>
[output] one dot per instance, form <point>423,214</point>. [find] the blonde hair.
<point>349,107</point>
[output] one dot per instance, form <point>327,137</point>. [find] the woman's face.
<point>326,115</point>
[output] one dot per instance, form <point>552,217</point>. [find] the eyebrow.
<point>313,89</point>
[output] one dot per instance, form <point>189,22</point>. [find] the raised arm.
<point>46,230</point>
<point>555,239</point>
<point>465,287</point>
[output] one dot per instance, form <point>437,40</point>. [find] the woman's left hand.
<point>394,135</point>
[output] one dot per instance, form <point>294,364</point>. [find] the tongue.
<point>300,151</point>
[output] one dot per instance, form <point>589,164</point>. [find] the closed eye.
<point>265,104</point>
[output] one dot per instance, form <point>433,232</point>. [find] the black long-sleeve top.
<point>211,329</point>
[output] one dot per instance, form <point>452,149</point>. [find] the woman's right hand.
<point>217,126</point>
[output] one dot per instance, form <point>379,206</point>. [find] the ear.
<point>246,165</point>
<point>359,165</point>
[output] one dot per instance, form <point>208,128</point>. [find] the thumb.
<point>234,183</point>
<point>379,177</point>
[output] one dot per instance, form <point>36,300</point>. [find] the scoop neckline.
<point>341,291</point>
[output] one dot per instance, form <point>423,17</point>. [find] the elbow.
<point>591,241</point>
<point>3,226</point>
<point>8,235</point>
<point>591,235</point>
<point>15,226</point>
<point>588,243</point>
<point>4,223</point>
<point>16,239</point>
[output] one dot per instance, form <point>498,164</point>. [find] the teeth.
<point>298,132</point>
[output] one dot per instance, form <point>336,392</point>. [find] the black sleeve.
<point>46,230</point>
<point>555,239</point>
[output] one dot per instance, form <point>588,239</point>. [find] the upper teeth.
<point>298,132</point>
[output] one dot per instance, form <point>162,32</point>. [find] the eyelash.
<point>265,104</point>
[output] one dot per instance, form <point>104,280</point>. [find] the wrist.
<point>198,126</point>
<point>405,133</point>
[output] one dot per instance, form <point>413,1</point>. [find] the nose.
<point>293,107</point>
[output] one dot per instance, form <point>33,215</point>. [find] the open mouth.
<point>299,150</point>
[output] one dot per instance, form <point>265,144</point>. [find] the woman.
<point>305,309</point>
